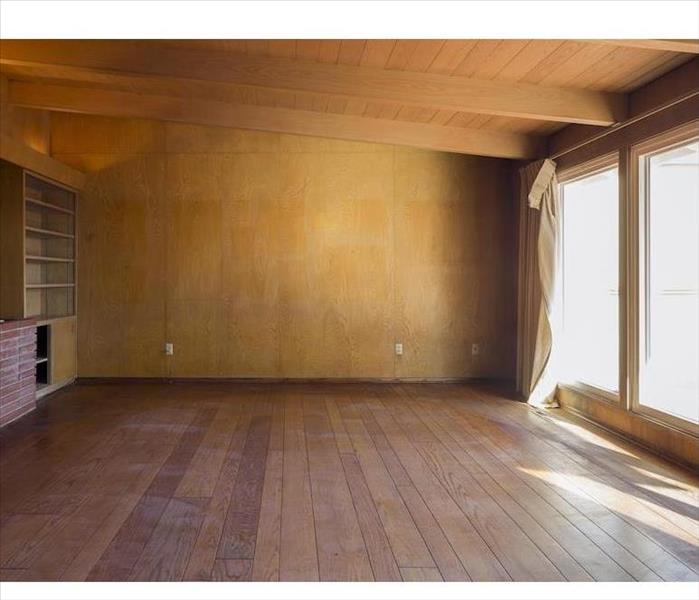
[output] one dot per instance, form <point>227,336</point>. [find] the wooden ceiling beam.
<point>687,46</point>
<point>213,112</point>
<point>94,59</point>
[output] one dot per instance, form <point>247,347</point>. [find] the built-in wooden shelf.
<point>38,253</point>
<point>49,259</point>
<point>49,206</point>
<point>48,232</point>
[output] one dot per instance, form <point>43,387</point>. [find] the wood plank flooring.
<point>333,482</point>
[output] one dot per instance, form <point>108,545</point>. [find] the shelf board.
<point>34,258</point>
<point>44,320</point>
<point>49,206</point>
<point>40,286</point>
<point>48,232</point>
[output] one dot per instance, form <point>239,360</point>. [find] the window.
<point>590,258</point>
<point>669,281</point>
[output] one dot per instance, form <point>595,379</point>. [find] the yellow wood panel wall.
<point>26,125</point>
<point>270,255</point>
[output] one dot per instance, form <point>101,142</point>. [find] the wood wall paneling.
<point>270,255</point>
<point>63,350</point>
<point>27,126</point>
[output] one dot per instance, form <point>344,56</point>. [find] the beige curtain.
<point>539,224</point>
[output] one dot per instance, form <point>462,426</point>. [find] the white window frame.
<point>638,224</point>
<point>587,169</point>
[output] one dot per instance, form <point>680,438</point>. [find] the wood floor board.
<point>448,563</point>
<point>124,550</point>
<point>240,528</point>
<point>575,556</point>
<point>562,519</point>
<point>166,554</point>
<point>409,548</point>
<point>623,498</point>
<point>477,557</point>
<point>298,555</point>
<point>420,574</point>
<point>334,482</point>
<point>537,462</point>
<point>232,570</point>
<point>265,566</point>
<point>201,561</point>
<point>342,555</point>
<point>383,563</point>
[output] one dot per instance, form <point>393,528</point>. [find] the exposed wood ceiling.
<point>443,94</point>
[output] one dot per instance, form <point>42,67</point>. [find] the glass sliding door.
<point>590,260</point>
<point>669,282</point>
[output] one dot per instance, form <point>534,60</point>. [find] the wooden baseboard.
<point>50,389</point>
<point>278,380</point>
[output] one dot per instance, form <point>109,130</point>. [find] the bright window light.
<point>670,282</point>
<point>590,348</point>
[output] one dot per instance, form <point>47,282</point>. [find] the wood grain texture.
<point>97,61</point>
<point>205,111</point>
<point>618,66</point>
<point>63,350</point>
<point>490,488</point>
<point>266,255</point>
<point>26,126</point>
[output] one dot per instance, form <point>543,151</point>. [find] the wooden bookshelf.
<point>38,262</point>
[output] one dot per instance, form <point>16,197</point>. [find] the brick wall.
<point>17,366</point>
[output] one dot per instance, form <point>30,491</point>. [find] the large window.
<point>669,280</point>
<point>590,256</point>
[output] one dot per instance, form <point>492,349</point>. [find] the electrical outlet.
<point>169,348</point>
<point>399,349</point>
<point>475,349</point>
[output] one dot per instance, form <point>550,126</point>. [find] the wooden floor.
<point>333,483</point>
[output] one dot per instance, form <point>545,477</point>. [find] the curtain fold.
<point>539,233</point>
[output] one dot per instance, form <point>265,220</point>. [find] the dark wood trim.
<point>673,116</point>
<point>677,85</point>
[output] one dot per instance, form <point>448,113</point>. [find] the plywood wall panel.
<point>454,267</point>
<point>28,126</point>
<point>266,255</point>
<point>121,266</point>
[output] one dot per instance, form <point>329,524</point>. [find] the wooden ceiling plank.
<point>209,112</point>
<point>376,53</point>
<point>329,51</point>
<point>527,59</point>
<point>257,47</point>
<point>416,113</point>
<point>549,64</point>
<point>619,61</point>
<point>170,68</point>
<point>476,57</point>
<point>665,63</point>
<point>308,49</point>
<point>423,55</point>
<point>282,48</point>
<point>568,71</point>
<point>450,56</point>
<point>351,52</point>
<point>442,117</point>
<point>401,54</point>
<point>687,46</point>
<point>503,54</point>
